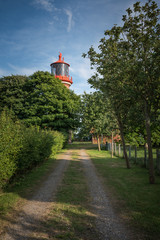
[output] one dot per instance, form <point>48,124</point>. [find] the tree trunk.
<point>149,142</point>
<point>70,137</point>
<point>98,142</point>
<point>123,142</point>
<point>112,144</point>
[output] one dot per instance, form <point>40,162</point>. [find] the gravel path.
<point>35,210</point>
<point>107,222</point>
<point>28,224</point>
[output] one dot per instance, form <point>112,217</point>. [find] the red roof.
<point>60,60</point>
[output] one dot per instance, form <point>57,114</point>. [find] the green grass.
<point>140,154</point>
<point>134,198</point>
<point>70,218</point>
<point>81,145</point>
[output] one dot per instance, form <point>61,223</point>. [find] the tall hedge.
<point>10,145</point>
<point>23,148</point>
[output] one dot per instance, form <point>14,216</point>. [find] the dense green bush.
<point>38,145</point>
<point>59,140</point>
<point>10,145</point>
<point>23,148</point>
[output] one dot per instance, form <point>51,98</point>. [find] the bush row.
<point>23,148</point>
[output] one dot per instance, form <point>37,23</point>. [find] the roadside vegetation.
<point>23,148</point>
<point>36,114</point>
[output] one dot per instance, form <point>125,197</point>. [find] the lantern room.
<point>60,69</point>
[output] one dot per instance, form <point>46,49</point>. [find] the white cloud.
<point>80,87</point>
<point>81,72</point>
<point>45,4</point>
<point>81,68</point>
<point>70,21</point>
<point>84,72</point>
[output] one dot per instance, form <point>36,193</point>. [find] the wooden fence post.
<point>115,149</point>
<point>158,161</point>
<point>119,150</point>
<point>112,146</point>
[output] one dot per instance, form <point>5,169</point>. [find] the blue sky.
<point>33,32</point>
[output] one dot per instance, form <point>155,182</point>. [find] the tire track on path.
<point>108,223</point>
<point>34,211</point>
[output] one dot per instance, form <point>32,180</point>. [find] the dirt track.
<point>31,215</point>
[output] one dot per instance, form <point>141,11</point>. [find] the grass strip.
<point>71,218</point>
<point>135,199</point>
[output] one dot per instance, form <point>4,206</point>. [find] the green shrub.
<point>45,146</point>
<point>10,145</point>
<point>23,148</point>
<point>37,146</point>
<point>29,151</point>
<point>58,143</point>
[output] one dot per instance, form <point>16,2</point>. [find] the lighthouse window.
<point>66,70</point>
<point>60,69</point>
<point>53,70</point>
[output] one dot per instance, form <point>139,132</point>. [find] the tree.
<point>41,100</point>
<point>142,30</point>
<point>128,69</point>
<point>111,64</point>
<point>13,93</point>
<point>96,116</point>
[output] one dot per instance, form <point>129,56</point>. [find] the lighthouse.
<point>60,69</point>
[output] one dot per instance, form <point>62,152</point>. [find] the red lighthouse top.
<point>60,60</point>
<point>60,69</point>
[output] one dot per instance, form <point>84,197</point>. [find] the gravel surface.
<point>108,223</point>
<point>35,210</point>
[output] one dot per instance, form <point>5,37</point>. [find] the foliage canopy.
<point>41,100</point>
<point>128,73</point>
